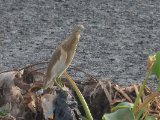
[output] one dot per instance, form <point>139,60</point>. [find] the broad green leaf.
<point>150,118</point>
<point>123,105</point>
<point>156,66</point>
<point>120,114</point>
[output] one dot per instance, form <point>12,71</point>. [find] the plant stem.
<point>80,96</point>
<point>141,91</point>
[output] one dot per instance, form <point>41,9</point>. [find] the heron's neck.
<point>73,40</point>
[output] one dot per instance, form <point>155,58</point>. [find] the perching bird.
<point>62,57</point>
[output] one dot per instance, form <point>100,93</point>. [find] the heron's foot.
<point>59,82</point>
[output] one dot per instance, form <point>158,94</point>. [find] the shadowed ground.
<point>119,35</point>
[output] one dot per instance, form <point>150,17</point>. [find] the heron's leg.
<point>59,82</point>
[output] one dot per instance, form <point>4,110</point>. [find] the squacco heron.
<point>62,57</point>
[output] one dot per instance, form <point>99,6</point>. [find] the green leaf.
<point>140,114</point>
<point>120,114</point>
<point>158,89</point>
<point>123,105</point>
<point>156,66</point>
<point>150,118</point>
<point>3,113</point>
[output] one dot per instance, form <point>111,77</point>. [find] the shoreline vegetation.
<point>21,97</point>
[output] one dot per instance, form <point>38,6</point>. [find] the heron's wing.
<point>56,64</point>
<point>52,62</point>
<point>60,65</point>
